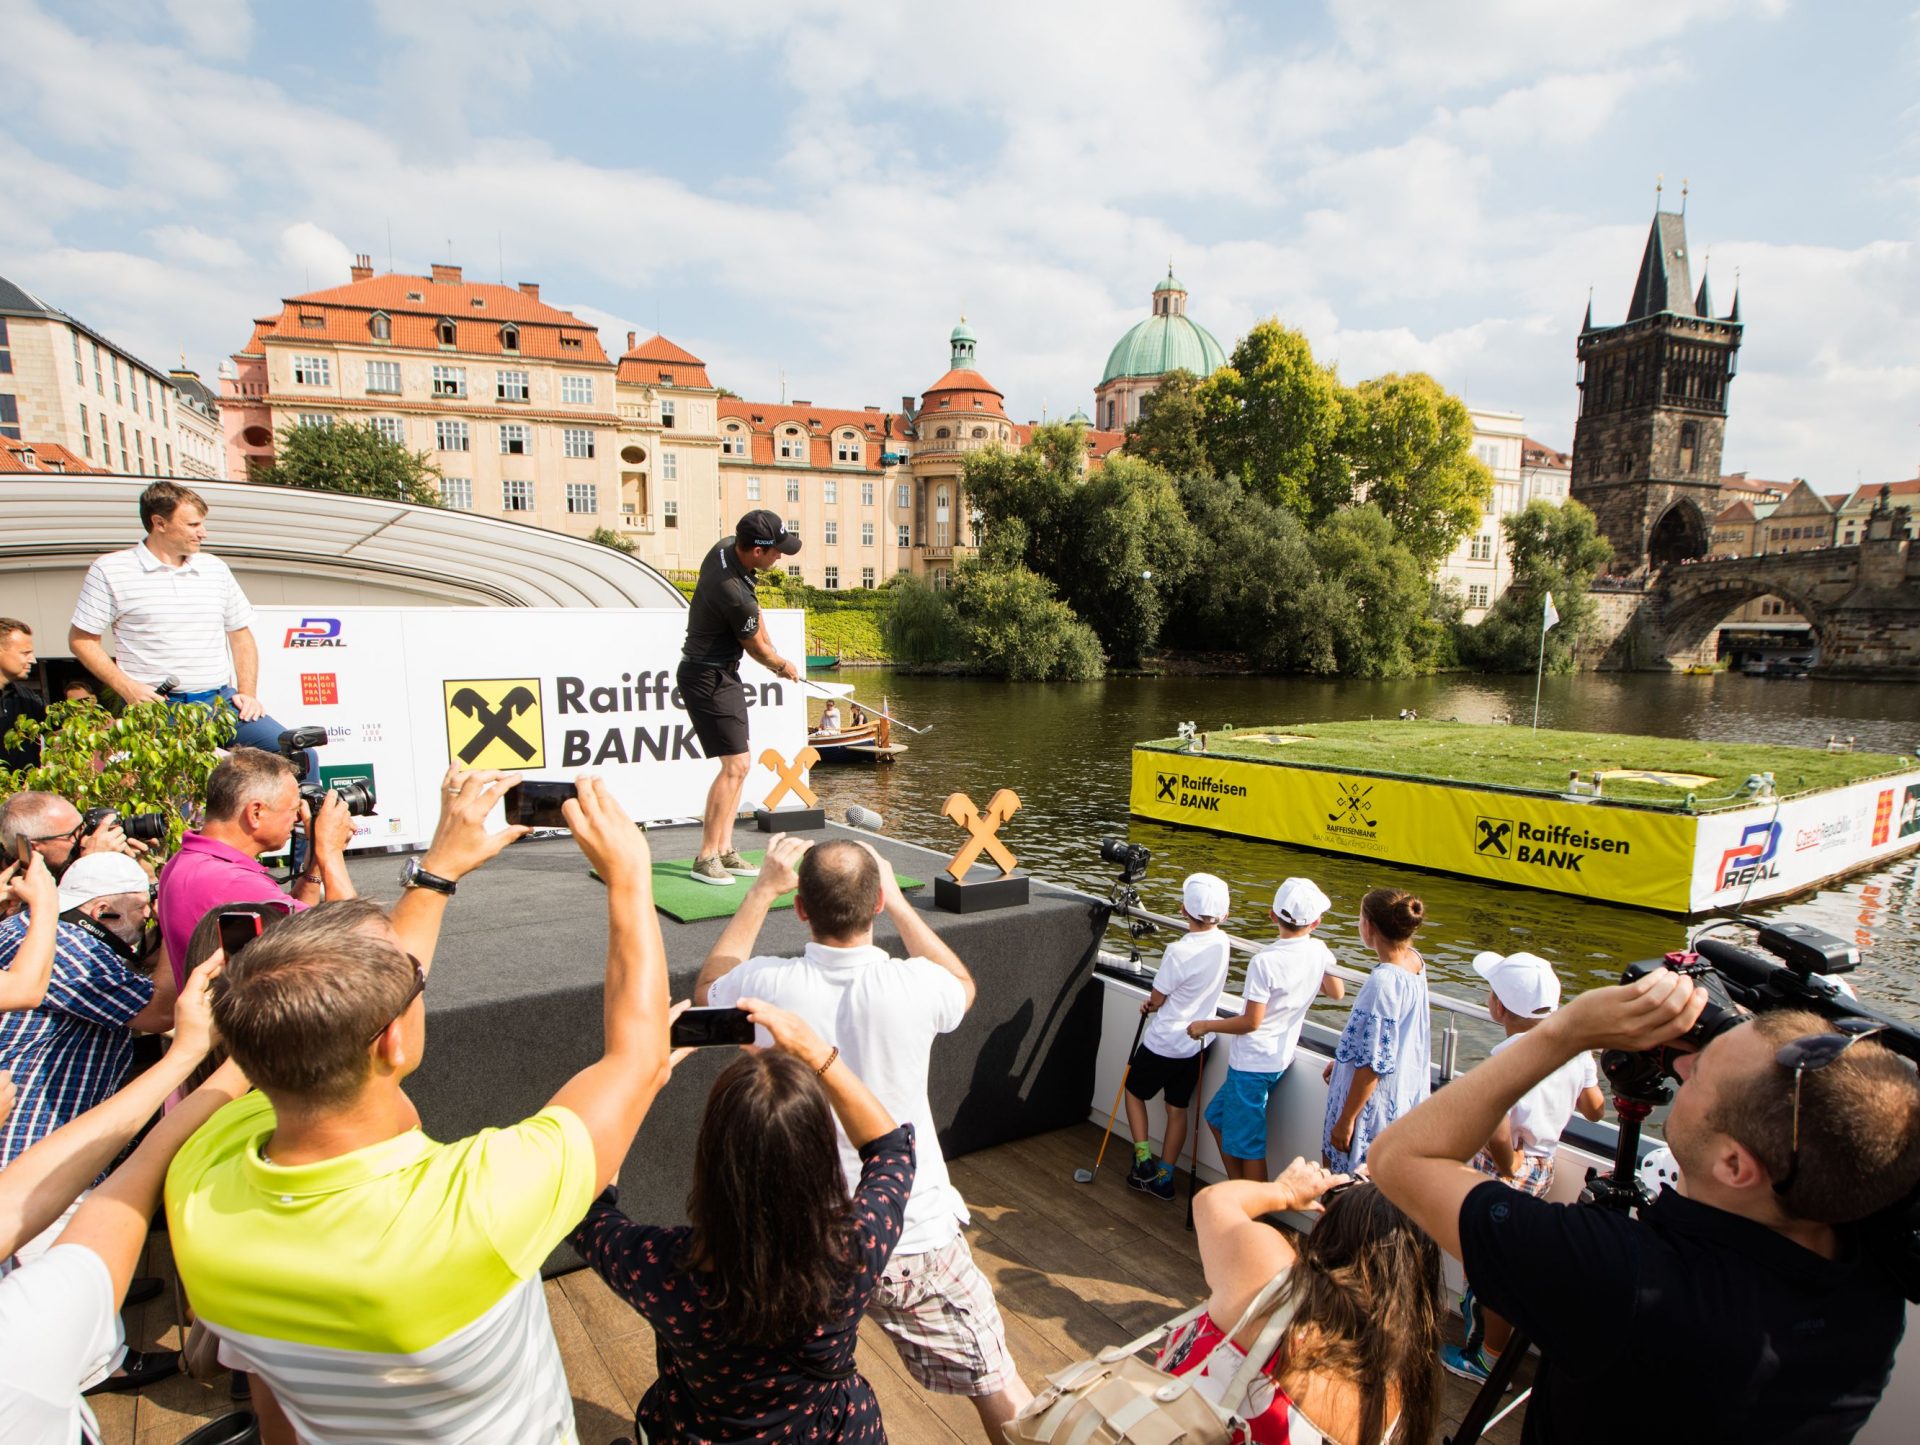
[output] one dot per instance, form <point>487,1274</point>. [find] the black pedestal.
<point>790,820</point>
<point>978,896</point>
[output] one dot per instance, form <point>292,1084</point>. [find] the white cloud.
<point>216,29</point>
<point>1561,109</point>
<point>321,256</point>
<point>192,246</point>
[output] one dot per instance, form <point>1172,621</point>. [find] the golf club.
<point>845,690</point>
<point>1085,1176</point>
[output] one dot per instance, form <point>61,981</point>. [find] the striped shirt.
<point>166,621</point>
<point>393,1293</point>
<point>72,1051</point>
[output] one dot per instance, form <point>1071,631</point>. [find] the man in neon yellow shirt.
<point>380,1286</point>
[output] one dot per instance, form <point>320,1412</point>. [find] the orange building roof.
<point>46,457</point>
<point>1868,493</point>
<point>660,362</point>
<point>821,424</point>
<point>963,390</point>
<point>1539,454</point>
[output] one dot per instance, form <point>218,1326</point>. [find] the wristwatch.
<point>412,875</point>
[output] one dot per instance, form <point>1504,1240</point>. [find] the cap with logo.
<point>761,528</point>
<point>1299,901</point>
<point>1205,896</point>
<point>1525,983</point>
<point>101,875</point>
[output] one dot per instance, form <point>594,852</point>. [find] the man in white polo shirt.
<point>175,612</point>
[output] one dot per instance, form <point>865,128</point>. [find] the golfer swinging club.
<point>722,622</point>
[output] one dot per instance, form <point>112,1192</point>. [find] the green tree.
<point>351,458</point>
<point>919,626</point>
<point>1011,625</point>
<point>607,537</point>
<point>1252,579</point>
<point>1169,432</point>
<point>1272,417</point>
<point>1374,594</point>
<point>1409,442</point>
<point>1555,551</point>
<point>1031,489</point>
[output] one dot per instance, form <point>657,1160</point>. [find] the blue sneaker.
<point>1141,1176</point>
<point>1162,1186</point>
<point>1468,1365</point>
<point>1470,1315</point>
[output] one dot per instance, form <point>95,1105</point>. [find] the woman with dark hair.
<point>756,1305</point>
<point>1380,1067</point>
<point>1356,1360</point>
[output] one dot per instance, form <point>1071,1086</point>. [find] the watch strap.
<point>414,876</point>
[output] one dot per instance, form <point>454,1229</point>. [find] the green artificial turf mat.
<point>682,898</point>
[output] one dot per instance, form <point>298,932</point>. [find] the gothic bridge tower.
<point>1653,409</point>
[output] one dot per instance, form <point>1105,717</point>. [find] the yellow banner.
<point>1621,855</point>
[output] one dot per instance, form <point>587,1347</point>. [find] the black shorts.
<point>716,704</point>
<point>1152,1073</point>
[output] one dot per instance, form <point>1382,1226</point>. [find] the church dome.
<point>1166,341</point>
<point>962,332</point>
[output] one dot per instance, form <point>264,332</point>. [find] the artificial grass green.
<point>1518,757</point>
<point>686,900</point>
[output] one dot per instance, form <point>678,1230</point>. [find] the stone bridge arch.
<point>1695,598</point>
<point>1688,618</point>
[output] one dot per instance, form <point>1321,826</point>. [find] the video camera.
<point>357,795</point>
<point>147,827</point>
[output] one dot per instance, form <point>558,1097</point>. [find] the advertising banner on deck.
<point>1770,850</point>
<point>543,692</point>
<point>1562,845</point>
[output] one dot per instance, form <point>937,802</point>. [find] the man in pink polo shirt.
<point>253,802</point>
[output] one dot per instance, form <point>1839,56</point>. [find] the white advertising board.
<point>1770,851</point>
<point>543,692</point>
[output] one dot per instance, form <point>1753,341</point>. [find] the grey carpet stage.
<point>514,1006</point>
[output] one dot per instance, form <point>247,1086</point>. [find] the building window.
<point>669,466</point>
<point>457,493</point>
<point>516,439</point>
<point>583,497</point>
<point>832,537</point>
<point>148,381</point>
<point>383,376</point>
<point>380,326</point>
<point>903,496</point>
<point>510,385</point>
<point>449,381</point>
<point>667,417</point>
<point>392,428</point>
<point>125,464</point>
<point>733,442</point>
<point>509,338</point>
<point>516,495</point>
<point>941,579</point>
<point>1689,447</point>
<point>450,436</point>
<point>169,458</point>
<point>903,535</point>
<point>847,449</point>
<point>98,385</point>
<point>833,578</point>
<point>578,441</point>
<point>793,446</point>
<point>794,572</point>
<point>830,492</point>
<point>866,534</point>
<point>86,438</point>
<point>1477,595</point>
<point>866,578</point>
<point>866,494</point>
<point>576,390</point>
<point>669,513</point>
<point>753,489</point>
<point>6,349</point>
<point>311,418</point>
<point>793,490</point>
<point>79,370</point>
<point>312,371</point>
<point>1483,547</point>
<point>793,525</point>
<point>10,419</point>
<point>444,332</point>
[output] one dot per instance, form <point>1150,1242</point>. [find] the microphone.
<point>865,818</point>
<point>167,686</point>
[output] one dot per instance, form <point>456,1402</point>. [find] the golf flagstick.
<point>1085,1176</point>
<point>845,690</point>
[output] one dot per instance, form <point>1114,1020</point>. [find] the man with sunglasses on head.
<point>1739,1306</point>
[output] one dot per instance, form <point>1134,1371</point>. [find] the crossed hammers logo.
<point>981,828</point>
<point>790,779</point>
<point>496,724</point>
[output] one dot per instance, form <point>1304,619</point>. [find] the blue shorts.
<point>1239,1112</point>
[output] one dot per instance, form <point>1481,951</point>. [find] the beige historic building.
<point>63,384</point>
<point>669,462</point>
<point>202,446</point>
<point>1523,470</point>
<point>511,398</point>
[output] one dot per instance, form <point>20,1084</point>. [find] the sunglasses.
<point>1809,1055</point>
<point>419,987</point>
<point>72,835</point>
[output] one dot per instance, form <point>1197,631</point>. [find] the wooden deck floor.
<point>1074,1267</point>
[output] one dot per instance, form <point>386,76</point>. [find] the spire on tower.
<point>1703,302</point>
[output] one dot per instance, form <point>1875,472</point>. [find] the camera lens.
<point>147,827</point>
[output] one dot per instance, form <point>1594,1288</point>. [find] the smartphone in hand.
<point>700,1028</point>
<point>537,804</point>
<point>237,930</point>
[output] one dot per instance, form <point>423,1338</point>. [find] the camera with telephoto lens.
<point>357,795</point>
<point>147,827</point>
<point>1131,858</point>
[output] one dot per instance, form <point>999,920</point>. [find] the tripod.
<point>1619,1189</point>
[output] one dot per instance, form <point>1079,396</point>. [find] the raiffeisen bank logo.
<point>315,632</point>
<point>1751,860</point>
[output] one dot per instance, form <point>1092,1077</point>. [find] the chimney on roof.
<point>362,267</point>
<point>798,402</point>
<point>873,408</point>
<point>630,340</point>
<point>530,288</point>
<point>446,272</point>
<point>906,403</point>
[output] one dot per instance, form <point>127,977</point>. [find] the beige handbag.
<point>1117,1397</point>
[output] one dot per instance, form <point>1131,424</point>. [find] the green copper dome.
<point>963,332</point>
<point>1170,284</point>
<point>1165,343</point>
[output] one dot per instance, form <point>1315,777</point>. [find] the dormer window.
<point>478,303</point>
<point>569,343</point>
<point>847,447</point>
<point>509,338</point>
<point>444,332</point>
<point>380,326</point>
<point>793,445</point>
<point>416,296</point>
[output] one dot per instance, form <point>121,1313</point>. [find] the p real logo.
<point>1751,860</point>
<point>315,632</point>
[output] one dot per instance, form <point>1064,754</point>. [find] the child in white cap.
<point>1282,981</point>
<point>1192,973</point>
<point>1522,990</point>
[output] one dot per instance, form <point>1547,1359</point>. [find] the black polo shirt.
<point>724,608</point>
<point>15,703</point>
<point>1688,1323</point>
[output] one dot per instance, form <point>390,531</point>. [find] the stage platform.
<point>1675,825</point>
<point>514,1005</point>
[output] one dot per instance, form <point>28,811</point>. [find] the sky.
<point>809,194</point>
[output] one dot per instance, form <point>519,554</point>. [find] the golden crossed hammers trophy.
<point>804,812</point>
<point>957,891</point>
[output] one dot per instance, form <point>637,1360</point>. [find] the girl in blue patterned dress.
<point>1380,1066</point>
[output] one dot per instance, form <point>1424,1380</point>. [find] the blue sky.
<point>818,190</point>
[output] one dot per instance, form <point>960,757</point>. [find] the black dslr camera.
<point>294,745</point>
<point>147,827</point>
<point>1131,858</point>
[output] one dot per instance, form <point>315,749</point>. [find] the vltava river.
<point>1063,747</point>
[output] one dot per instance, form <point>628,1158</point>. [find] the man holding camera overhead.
<point>253,802</point>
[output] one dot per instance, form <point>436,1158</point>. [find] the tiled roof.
<point>1738,512</point>
<point>822,425</point>
<point>1741,482</point>
<point>47,457</point>
<point>963,390</point>
<point>659,361</point>
<point>1539,454</point>
<point>18,301</point>
<point>1866,495</point>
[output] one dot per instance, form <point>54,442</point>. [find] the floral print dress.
<point>711,1389</point>
<point>1389,1031</point>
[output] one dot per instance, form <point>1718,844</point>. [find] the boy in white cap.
<point>1282,982</point>
<point>1522,990</point>
<point>1193,971</point>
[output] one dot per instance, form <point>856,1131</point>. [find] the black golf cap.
<point>760,528</point>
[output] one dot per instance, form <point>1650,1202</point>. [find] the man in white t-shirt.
<point>883,1015</point>
<point>1168,1061</point>
<point>1522,989</point>
<point>1282,982</point>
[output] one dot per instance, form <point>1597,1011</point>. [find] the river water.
<point>1064,748</point>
